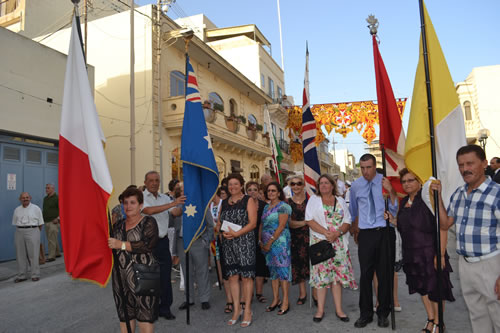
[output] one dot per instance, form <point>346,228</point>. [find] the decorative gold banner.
<point>343,117</point>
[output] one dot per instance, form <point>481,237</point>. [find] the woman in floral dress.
<point>328,218</point>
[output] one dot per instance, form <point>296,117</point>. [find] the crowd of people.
<point>266,232</point>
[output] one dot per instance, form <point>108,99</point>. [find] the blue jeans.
<point>162,253</point>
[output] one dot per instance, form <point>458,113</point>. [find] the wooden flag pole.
<point>433,158</point>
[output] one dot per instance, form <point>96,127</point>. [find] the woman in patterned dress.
<point>300,237</point>
<point>328,218</point>
<point>275,243</point>
<point>134,238</point>
<point>238,247</point>
<point>261,270</point>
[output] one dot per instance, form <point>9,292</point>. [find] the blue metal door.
<point>23,168</point>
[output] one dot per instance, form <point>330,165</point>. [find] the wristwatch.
<point>341,232</point>
<point>124,246</point>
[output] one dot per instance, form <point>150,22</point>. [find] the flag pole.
<point>433,159</point>
<point>187,39</point>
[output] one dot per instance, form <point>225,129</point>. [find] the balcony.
<point>10,12</point>
<point>284,146</point>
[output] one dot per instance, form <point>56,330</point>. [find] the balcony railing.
<point>284,146</point>
<point>8,6</point>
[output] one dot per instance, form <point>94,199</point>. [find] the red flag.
<point>84,179</point>
<point>392,136</point>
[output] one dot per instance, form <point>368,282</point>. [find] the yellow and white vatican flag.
<point>448,119</point>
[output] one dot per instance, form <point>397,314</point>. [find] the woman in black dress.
<point>300,237</point>
<point>417,226</point>
<point>261,270</point>
<point>238,247</point>
<point>135,238</point>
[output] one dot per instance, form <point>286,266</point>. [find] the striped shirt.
<point>476,217</point>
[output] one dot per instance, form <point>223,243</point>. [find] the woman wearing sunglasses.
<point>300,237</point>
<point>275,243</point>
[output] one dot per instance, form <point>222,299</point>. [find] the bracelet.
<point>272,238</point>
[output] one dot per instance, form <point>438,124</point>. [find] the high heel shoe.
<point>302,301</point>
<point>282,312</point>
<point>318,319</point>
<point>271,308</point>
<point>231,322</point>
<point>246,323</point>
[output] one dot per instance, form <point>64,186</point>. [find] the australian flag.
<point>200,172</point>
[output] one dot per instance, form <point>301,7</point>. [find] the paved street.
<point>58,304</point>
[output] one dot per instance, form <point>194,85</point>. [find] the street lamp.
<point>482,136</point>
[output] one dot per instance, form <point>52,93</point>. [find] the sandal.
<point>229,307</point>
<point>436,326</point>
<point>261,298</point>
<point>425,329</point>
<point>302,301</point>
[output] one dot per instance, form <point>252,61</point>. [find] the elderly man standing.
<point>475,210</point>
<point>157,205</point>
<point>28,220</point>
<point>51,218</point>
<point>375,242</point>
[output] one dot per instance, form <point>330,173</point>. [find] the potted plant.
<point>259,127</point>
<point>242,119</point>
<point>232,123</point>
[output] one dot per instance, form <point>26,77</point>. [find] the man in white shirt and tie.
<point>28,220</point>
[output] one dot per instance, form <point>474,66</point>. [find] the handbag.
<point>147,279</point>
<point>321,251</point>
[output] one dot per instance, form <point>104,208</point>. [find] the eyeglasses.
<point>296,184</point>
<point>252,190</point>
<point>272,190</point>
<point>408,181</point>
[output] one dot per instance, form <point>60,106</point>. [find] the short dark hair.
<point>472,149</point>
<point>224,181</point>
<point>331,180</point>
<point>120,197</point>
<point>367,157</point>
<point>280,191</point>
<point>403,172</point>
<point>497,159</point>
<point>172,183</point>
<point>250,183</point>
<point>223,188</point>
<point>151,173</point>
<point>236,176</point>
<point>133,192</point>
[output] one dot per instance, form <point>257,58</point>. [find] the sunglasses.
<point>272,190</point>
<point>296,184</point>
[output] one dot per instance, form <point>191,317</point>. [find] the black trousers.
<point>376,254</point>
<point>162,254</point>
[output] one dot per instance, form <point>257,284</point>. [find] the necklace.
<point>232,201</point>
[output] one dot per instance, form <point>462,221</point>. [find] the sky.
<point>341,65</point>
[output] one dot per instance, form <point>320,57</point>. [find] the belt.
<point>478,259</point>
<point>28,226</point>
<point>374,229</point>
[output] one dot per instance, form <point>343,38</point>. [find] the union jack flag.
<point>311,162</point>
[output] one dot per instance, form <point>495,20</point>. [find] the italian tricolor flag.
<point>84,180</point>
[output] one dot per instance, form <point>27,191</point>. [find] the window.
<point>282,134</point>
<point>216,100</point>
<point>280,94</point>
<point>232,107</point>
<point>252,120</point>
<point>33,156</point>
<point>271,88</point>
<point>52,158</point>
<point>273,128</point>
<point>11,154</point>
<point>254,173</point>
<point>177,84</point>
<point>262,81</point>
<point>264,128</point>
<point>468,113</point>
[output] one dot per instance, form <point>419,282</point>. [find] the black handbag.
<point>147,279</point>
<point>321,251</point>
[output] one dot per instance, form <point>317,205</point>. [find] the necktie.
<point>372,204</point>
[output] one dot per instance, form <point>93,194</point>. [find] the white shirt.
<point>161,218</point>
<point>29,216</point>
<point>341,187</point>
<point>288,191</point>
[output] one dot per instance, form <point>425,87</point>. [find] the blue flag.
<point>200,174</point>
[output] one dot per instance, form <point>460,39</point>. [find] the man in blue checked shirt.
<point>475,210</point>
<point>375,242</point>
